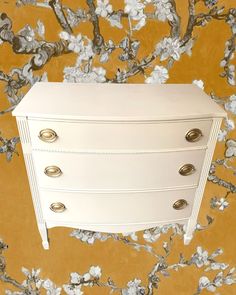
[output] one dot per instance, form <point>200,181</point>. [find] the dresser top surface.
<point>130,102</point>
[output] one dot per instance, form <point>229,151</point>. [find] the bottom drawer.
<point>116,208</point>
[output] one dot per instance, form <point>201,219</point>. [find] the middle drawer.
<point>140,171</point>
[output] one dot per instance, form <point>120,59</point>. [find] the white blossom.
<point>231,148</point>
<point>152,235</point>
<point>220,204</point>
<point>28,33</point>
<point>89,237</point>
<point>163,10</point>
<point>159,75</point>
<point>73,290</point>
<point>149,237</point>
<point>76,43</point>
<point>40,29</point>
<point>86,276</point>
<point>95,271</point>
<point>104,57</point>
<point>204,283</point>
<point>231,75</point>
<point>75,74</point>
<point>135,9</point>
<point>141,23</point>
<point>75,278</point>
<point>86,53</point>
<point>115,21</point>
<point>75,17</point>
<point>210,3</point>
<point>222,135</point>
<point>133,235</point>
<point>32,275</point>
<point>230,281</point>
<point>229,124</point>
<point>103,8</point>
<point>79,44</point>
<point>217,265</point>
<point>200,258</point>
<point>109,47</point>
<point>25,271</point>
<point>64,35</point>
<point>169,47</point>
<point>51,288</point>
<point>134,288</point>
<point>231,104</point>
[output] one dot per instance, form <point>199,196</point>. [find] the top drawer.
<point>118,136</point>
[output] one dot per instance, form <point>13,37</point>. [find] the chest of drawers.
<point>117,157</point>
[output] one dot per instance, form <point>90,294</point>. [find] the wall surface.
<point>133,41</point>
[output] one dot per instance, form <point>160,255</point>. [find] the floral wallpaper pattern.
<point>103,41</point>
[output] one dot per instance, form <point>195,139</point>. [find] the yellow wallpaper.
<point>123,259</point>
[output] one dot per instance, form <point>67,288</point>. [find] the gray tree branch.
<point>6,279</point>
<point>60,15</point>
<point>175,24</point>
<point>98,40</point>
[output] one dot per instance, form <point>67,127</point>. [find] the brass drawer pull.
<point>57,207</point>
<point>187,169</point>
<point>52,171</point>
<point>180,204</point>
<point>48,135</point>
<point>193,135</point>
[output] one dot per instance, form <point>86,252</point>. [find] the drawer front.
<point>83,136</point>
<point>116,171</point>
<point>116,208</point>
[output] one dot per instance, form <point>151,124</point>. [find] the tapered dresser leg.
<point>189,231</point>
<point>187,239</point>
<point>44,235</point>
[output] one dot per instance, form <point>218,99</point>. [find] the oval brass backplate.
<point>180,204</point>
<point>48,135</point>
<point>193,135</point>
<point>57,207</point>
<point>187,169</point>
<point>52,171</point>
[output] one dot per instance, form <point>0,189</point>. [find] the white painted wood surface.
<point>117,208</point>
<point>131,102</point>
<point>120,148</point>
<point>126,136</point>
<point>203,179</point>
<point>23,128</point>
<point>144,171</point>
<point>111,228</point>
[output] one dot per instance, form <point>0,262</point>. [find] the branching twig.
<point>98,40</point>
<point>175,24</point>
<point>60,15</point>
<point>230,186</point>
<point>200,19</point>
<point>7,279</point>
<point>6,33</point>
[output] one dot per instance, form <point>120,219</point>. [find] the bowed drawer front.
<point>114,136</point>
<point>89,208</point>
<point>117,158</point>
<point>81,171</point>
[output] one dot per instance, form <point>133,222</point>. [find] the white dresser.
<point>117,157</point>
